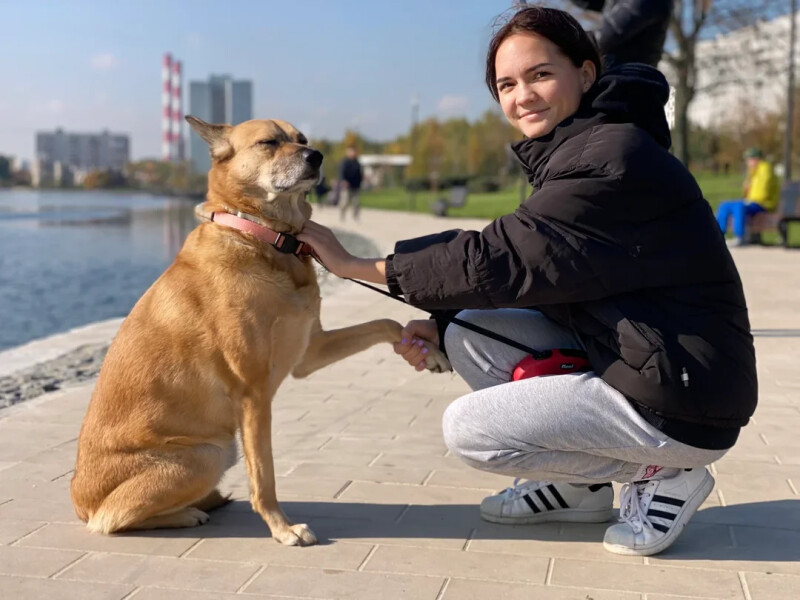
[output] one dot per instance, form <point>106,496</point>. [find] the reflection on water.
<point>70,258</point>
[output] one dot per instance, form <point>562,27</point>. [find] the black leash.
<point>455,320</point>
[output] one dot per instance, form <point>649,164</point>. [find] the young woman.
<point>615,252</point>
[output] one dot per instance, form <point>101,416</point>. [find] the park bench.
<point>788,212</point>
<point>458,198</point>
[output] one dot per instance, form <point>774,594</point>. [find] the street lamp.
<point>412,146</point>
<point>787,152</point>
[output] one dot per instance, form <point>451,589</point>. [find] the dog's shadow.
<point>759,531</point>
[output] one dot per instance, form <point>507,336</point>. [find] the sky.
<point>323,65</point>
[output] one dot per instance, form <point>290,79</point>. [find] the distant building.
<point>83,151</point>
<point>218,100</point>
<point>744,70</point>
<point>380,169</point>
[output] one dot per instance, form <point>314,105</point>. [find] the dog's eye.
<point>301,139</point>
<point>271,143</point>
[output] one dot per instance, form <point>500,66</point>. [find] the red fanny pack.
<point>552,362</point>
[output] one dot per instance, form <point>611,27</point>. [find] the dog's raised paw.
<point>436,361</point>
<point>296,535</point>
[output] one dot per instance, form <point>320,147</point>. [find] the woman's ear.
<point>588,74</point>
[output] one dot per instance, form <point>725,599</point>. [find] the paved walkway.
<point>360,457</point>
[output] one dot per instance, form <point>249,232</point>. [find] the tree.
<point>693,20</point>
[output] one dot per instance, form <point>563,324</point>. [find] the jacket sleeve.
<point>626,19</point>
<point>520,260</point>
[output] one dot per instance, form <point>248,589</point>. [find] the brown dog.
<point>204,350</point>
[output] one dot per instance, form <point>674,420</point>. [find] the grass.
<point>716,188</point>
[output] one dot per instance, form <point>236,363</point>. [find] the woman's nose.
<point>526,94</point>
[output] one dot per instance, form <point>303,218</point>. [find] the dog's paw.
<point>296,535</point>
<point>192,517</point>
<point>435,360</point>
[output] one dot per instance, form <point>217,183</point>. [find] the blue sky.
<point>324,65</point>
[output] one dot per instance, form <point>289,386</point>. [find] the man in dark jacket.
<point>350,178</point>
<point>631,30</point>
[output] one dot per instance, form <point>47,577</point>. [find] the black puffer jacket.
<point>632,30</point>
<point>617,243</point>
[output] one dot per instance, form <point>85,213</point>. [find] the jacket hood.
<point>630,93</point>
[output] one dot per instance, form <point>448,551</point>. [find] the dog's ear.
<point>217,136</point>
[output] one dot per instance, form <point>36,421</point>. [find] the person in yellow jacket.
<point>761,191</point>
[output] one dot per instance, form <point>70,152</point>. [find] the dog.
<point>202,353</point>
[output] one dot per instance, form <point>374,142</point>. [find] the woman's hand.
<point>412,346</point>
<point>330,252</point>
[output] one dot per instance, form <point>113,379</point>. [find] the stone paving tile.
<point>583,541</point>
<point>183,573</point>
<point>436,463</point>
<point>647,579</point>
<point>464,477</point>
<point>12,529</point>
<point>374,474</point>
<point>734,549</point>
<point>42,472</point>
<point>343,556</point>
<point>390,446</point>
<point>764,586</point>
<point>344,585</point>
<point>77,537</point>
<point>463,589</point>
<point>154,593</point>
<point>410,494</point>
<point>454,563</point>
<point>26,588</point>
<point>58,510</point>
<point>38,562</point>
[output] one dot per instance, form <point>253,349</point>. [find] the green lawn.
<point>716,188</point>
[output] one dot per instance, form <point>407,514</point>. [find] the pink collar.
<point>282,242</point>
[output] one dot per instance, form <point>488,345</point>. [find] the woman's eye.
<point>540,75</point>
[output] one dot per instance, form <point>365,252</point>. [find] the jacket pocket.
<point>637,343</point>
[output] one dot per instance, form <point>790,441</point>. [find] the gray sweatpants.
<point>574,428</point>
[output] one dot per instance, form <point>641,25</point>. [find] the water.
<point>68,258</point>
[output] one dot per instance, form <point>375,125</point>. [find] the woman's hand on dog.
<point>411,347</point>
<point>328,249</point>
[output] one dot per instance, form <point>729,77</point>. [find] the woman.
<point>615,252</point>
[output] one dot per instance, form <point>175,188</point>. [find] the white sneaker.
<point>544,502</point>
<point>653,513</point>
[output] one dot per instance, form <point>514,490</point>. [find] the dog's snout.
<point>313,157</point>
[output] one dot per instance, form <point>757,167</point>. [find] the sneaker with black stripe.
<point>653,513</point>
<point>544,502</point>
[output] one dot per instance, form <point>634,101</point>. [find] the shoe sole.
<point>692,503</point>
<point>572,515</point>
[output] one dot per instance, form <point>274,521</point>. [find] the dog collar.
<point>282,242</point>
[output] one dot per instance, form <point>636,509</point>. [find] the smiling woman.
<point>589,261</point>
<point>538,67</point>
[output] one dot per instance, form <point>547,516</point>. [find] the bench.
<point>458,198</point>
<point>788,212</point>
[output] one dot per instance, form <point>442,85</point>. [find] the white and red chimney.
<point>171,110</point>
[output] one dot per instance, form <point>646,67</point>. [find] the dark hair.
<point>558,26</point>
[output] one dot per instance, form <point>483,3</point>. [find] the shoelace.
<point>517,490</point>
<point>632,508</point>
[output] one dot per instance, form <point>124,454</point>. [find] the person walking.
<point>350,178</point>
